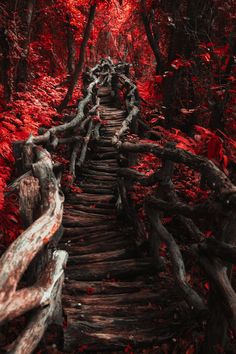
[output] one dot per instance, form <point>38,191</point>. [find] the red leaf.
<point>82,348</point>
<point>153,120</point>
<point>158,79</point>
<point>215,148</point>
<point>190,350</point>
<point>90,291</point>
<point>76,189</point>
<point>206,57</point>
<point>225,161</point>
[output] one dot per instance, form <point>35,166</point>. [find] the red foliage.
<point>23,116</point>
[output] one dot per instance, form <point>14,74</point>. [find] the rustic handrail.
<point>132,107</point>
<point>17,258</point>
<point>41,208</point>
<point>222,202</point>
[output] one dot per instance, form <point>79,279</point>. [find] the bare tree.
<point>79,64</point>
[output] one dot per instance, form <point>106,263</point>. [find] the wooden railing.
<point>215,256</point>
<point>31,269</point>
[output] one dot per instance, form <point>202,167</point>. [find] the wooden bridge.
<point>77,278</point>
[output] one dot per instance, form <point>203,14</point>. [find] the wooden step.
<point>90,229</point>
<point>73,212</point>
<point>95,248</point>
<point>95,238</point>
<point>118,254</point>
<point>109,269</point>
<point>141,297</point>
<point>111,295</point>
<point>73,287</point>
<point>92,198</point>
<point>108,340</point>
<point>75,220</point>
<point>94,210</point>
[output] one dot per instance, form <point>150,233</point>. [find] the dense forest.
<point>71,73</point>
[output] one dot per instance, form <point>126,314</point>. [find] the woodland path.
<point>110,297</point>
<point>114,295</point>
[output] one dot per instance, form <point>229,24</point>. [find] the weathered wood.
<point>214,248</point>
<point>107,287</point>
<point>132,106</point>
<point>217,180</point>
<point>85,145</point>
<point>29,198</point>
<point>100,309</point>
<point>192,298</point>
<point>217,273</point>
<point>27,156</point>
<point>39,294</point>
<point>101,270</point>
<point>100,257</point>
<point>20,253</point>
<point>222,295</point>
<point>50,296</point>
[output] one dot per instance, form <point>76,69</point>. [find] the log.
<point>29,198</point>
<point>191,297</point>
<point>132,106</point>
<point>97,131</point>
<point>73,158</point>
<point>27,155</point>
<point>85,146</point>
<point>217,273</point>
<point>217,180</point>
<point>214,248</point>
<point>38,295</point>
<point>204,210</point>
<point>27,342</point>
<point>21,252</point>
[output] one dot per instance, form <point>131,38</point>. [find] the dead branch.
<point>217,180</point>
<point>214,248</point>
<point>51,298</point>
<point>20,253</point>
<point>191,297</point>
<point>85,146</point>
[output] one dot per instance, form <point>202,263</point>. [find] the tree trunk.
<point>80,62</point>
<point>5,64</point>
<point>22,66</point>
<point>152,38</point>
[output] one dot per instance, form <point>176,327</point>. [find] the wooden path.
<point>110,297</point>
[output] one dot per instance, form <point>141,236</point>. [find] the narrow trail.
<point>110,296</point>
<point>120,280</point>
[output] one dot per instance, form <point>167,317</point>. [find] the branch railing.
<point>216,256</point>
<point>39,194</point>
<point>41,208</point>
<point>31,269</point>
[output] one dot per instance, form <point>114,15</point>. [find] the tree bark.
<point>151,38</point>
<point>22,66</point>
<point>5,63</point>
<point>80,62</point>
